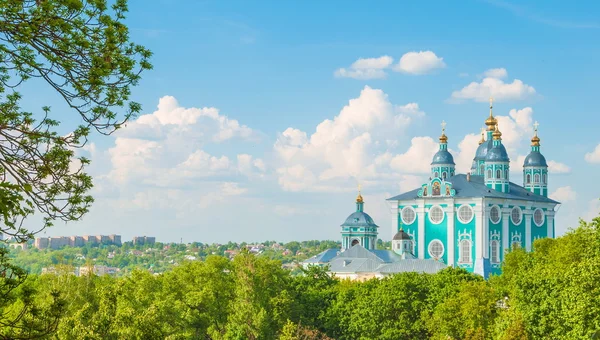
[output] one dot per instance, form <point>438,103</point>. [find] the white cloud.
<point>594,156</point>
<point>499,73</point>
<point>564,194</point>
<point>493,86</point>
<point>342,148</point>
<point>366,68</point>
<point>417,159</point>
<point>422,62</point>
<point>592,211</point>
<point>558,168</point>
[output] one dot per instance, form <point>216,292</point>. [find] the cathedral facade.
<point>471,220</point>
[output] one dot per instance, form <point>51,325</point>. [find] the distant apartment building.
<point>75,241</point>
<point>141,240</point>
<point>82,271</point>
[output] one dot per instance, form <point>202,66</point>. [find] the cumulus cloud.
<point>564,194</point>
<point>417,158</point>
<point>417,63</point>
<point>346,147</point>
<point>366,68</point>
<point>593,156</point>
<point>494,86</point>
<point>558,168</point>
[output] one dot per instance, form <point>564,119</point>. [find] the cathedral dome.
<point>359,219</point>
<point>401,235</point>
<point>497,154</point>
<point>535,158</point>
<point>442,157</point>
<point>483,149</point>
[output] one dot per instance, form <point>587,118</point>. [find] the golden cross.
<point>443,126</point>
<point>535,126</point>
<point>482,131</point>
<point>491,101</point>
<point>359,188</point>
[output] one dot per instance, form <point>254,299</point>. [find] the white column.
<point>505,235</point>
<point>486,230</point>
<point>451,242</point>
<point>550,223</point>
<point>527,217</point>
<point>421,237</point>
<point>478,232</point>
<point>395,216</point>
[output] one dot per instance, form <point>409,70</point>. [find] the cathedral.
<point>460,220</point>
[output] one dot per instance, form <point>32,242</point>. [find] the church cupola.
<point>402,243</point>
<point>535,168</point>
<point>442,165</point>
<point>359,228</point>
<point>485,144</point>
<point>497,164</point>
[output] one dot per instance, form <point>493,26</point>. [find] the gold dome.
<point>443,137</point>
<point>491,121</point>
<point>535,140</point>
<point>497,134</point>
<point>359,198</point>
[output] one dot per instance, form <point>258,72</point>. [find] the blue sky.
<point>233,152</point>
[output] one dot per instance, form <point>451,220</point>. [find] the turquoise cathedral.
<point>471,220</point>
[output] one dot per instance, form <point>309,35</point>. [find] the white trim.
<point>499,214</point>
<point>402,215</point>
<point>472,214</point>
<point>543,217</point>
<point>429,214</point>
<point>520,215</point>
<point>429,249</point>
<point>421,233</point>
<point>451,236</point>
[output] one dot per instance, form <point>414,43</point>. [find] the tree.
<point>80,50</point>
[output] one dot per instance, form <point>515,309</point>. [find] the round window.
<point>465,214</point>
<point>538,217</point>
<point>495,214</point>
<point>436,215</point>
<point>408,215</point>
<point>436,249</point>
<point>515,215</point>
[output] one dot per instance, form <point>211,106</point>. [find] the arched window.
<point>451,173</point>
<point>489,173</point>
<point>536,178</point>
<point>544,178</point>
<point>482,169</point>
<point>516,244</point>
<point>495,251</point>
<point>465,251</point>
<point>498,173</point>
<point>436,174</point>
<point>528,179</point>
<point>444,175</point>
<point>506,173</point>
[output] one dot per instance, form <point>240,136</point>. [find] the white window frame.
<point>544,178</point>
<point>441,244</point>
<point>461,253</point>
<point>443,214</point>
<point>528,178</point>
<point>498,173</point>
<point>499,214</point>
<point>512,219</point>
<point>459,217</point>
<point>490,173</point>
<point>495,255</point>
<point>543,217</point>
<point>536,178</point>
<point>402,215</point>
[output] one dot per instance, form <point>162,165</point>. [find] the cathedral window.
<point>436,249</point>
<point>495,251</point>
<point>544,179</point>
<point>538,217</point>
<point>516,215</point>
<point>498,173</point>
<point>436,215</point>
<point>516,244</point>
<point>481,169</point>
<point>465,251</point>
<point>408,215</point>
<point>436,174</point>
<point>528,179</point>
<point>444,174</point>
<point>536,178</point>
<point>495,214</point>
<point>506,173</point>
<point>489,173</point>
<point>465,214</point>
